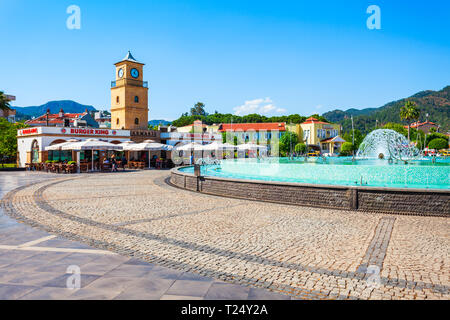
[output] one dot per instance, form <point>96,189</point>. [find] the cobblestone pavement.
<point>34,265</point>
<point>305,253</point>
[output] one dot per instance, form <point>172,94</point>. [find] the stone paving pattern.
<point>33,265</point>
<point>306,253</point>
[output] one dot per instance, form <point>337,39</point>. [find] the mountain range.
<point>159,122</point>
<point>69,106</point>
<point>434,103</point>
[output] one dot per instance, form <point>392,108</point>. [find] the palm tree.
<point>409,112</point>
<point>4,102</point>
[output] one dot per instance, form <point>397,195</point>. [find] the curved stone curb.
<point>420,202</point>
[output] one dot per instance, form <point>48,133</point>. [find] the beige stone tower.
<point>129,96</point>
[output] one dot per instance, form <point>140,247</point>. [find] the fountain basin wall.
<point>356,198</point>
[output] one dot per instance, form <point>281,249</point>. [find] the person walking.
<point>124,162</point>
<point>113,163</point>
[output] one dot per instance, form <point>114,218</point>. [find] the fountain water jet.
<point>388,143</point>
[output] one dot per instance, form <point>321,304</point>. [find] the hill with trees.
<point>69,106</point>
<point>198,113</point>
<point>435,103</point>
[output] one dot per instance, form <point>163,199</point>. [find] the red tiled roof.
<point>313,120</point>
<point>420,124</point>
<point>252,126</point>
<point>337,138</point>
<point>55,118</point>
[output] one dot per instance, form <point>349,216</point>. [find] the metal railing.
<point>130,82</point>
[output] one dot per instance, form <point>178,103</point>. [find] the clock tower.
<point>129,96</point>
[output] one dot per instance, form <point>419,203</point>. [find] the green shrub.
<point>435,135</point>
<point>347,149</point>
<point>438,144</point>
<point>300,148</point>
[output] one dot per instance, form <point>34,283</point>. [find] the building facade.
<point>9,115</point>
<point>62,119</point>
<point>197,127</point>
<point>319,135</point>
<point>31,142</point>
<point>424,126</point>
<point>254,132</point>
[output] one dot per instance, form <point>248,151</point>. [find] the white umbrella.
<point>189,146</point>
<point>60,145</point>
<point>217,146</point>
<point>251,146</point>
<point>91,144</point>
<point>150,145</point>
<point>127,145</point>
<point>229,146</point>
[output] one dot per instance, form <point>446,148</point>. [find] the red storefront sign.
<point>29,131</point>
<point>103,132</point>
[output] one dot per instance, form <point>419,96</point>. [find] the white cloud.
<point>260,106</point>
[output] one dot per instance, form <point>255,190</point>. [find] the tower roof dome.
<point>129,57</point>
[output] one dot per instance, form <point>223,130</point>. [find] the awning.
<point>336,139</point>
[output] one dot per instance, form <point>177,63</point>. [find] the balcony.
<point>129,82</point>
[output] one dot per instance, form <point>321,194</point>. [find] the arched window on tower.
<point>117,99</point>
<point>136,99</point>
<point>117,121</point>
<point>136,121</point>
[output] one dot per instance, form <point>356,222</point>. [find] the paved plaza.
<point>135,236</point>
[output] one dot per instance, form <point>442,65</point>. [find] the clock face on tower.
<point>120,73</point>
<point>134,73</point>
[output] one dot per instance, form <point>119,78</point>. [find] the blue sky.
<point>278,57</point>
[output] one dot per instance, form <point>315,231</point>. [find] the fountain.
<point>387,175</point>
<point>387,144</point>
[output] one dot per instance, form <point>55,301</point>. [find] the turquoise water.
<point>420,174</point>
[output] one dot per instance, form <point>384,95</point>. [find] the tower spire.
<point>129,57</point>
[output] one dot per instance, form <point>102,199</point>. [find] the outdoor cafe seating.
<point>52,167</point>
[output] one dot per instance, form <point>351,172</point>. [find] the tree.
<point>409,112</point>
<point>4,102</point>
<point>300,148</point>
<point>359,137</point>
<point>438,144</point>
<point>435,135</point>
<point>396,127</point>
<point>198,109</point>
<point>288,141</point>
<point>8,137</point>
<point>347,149</point>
